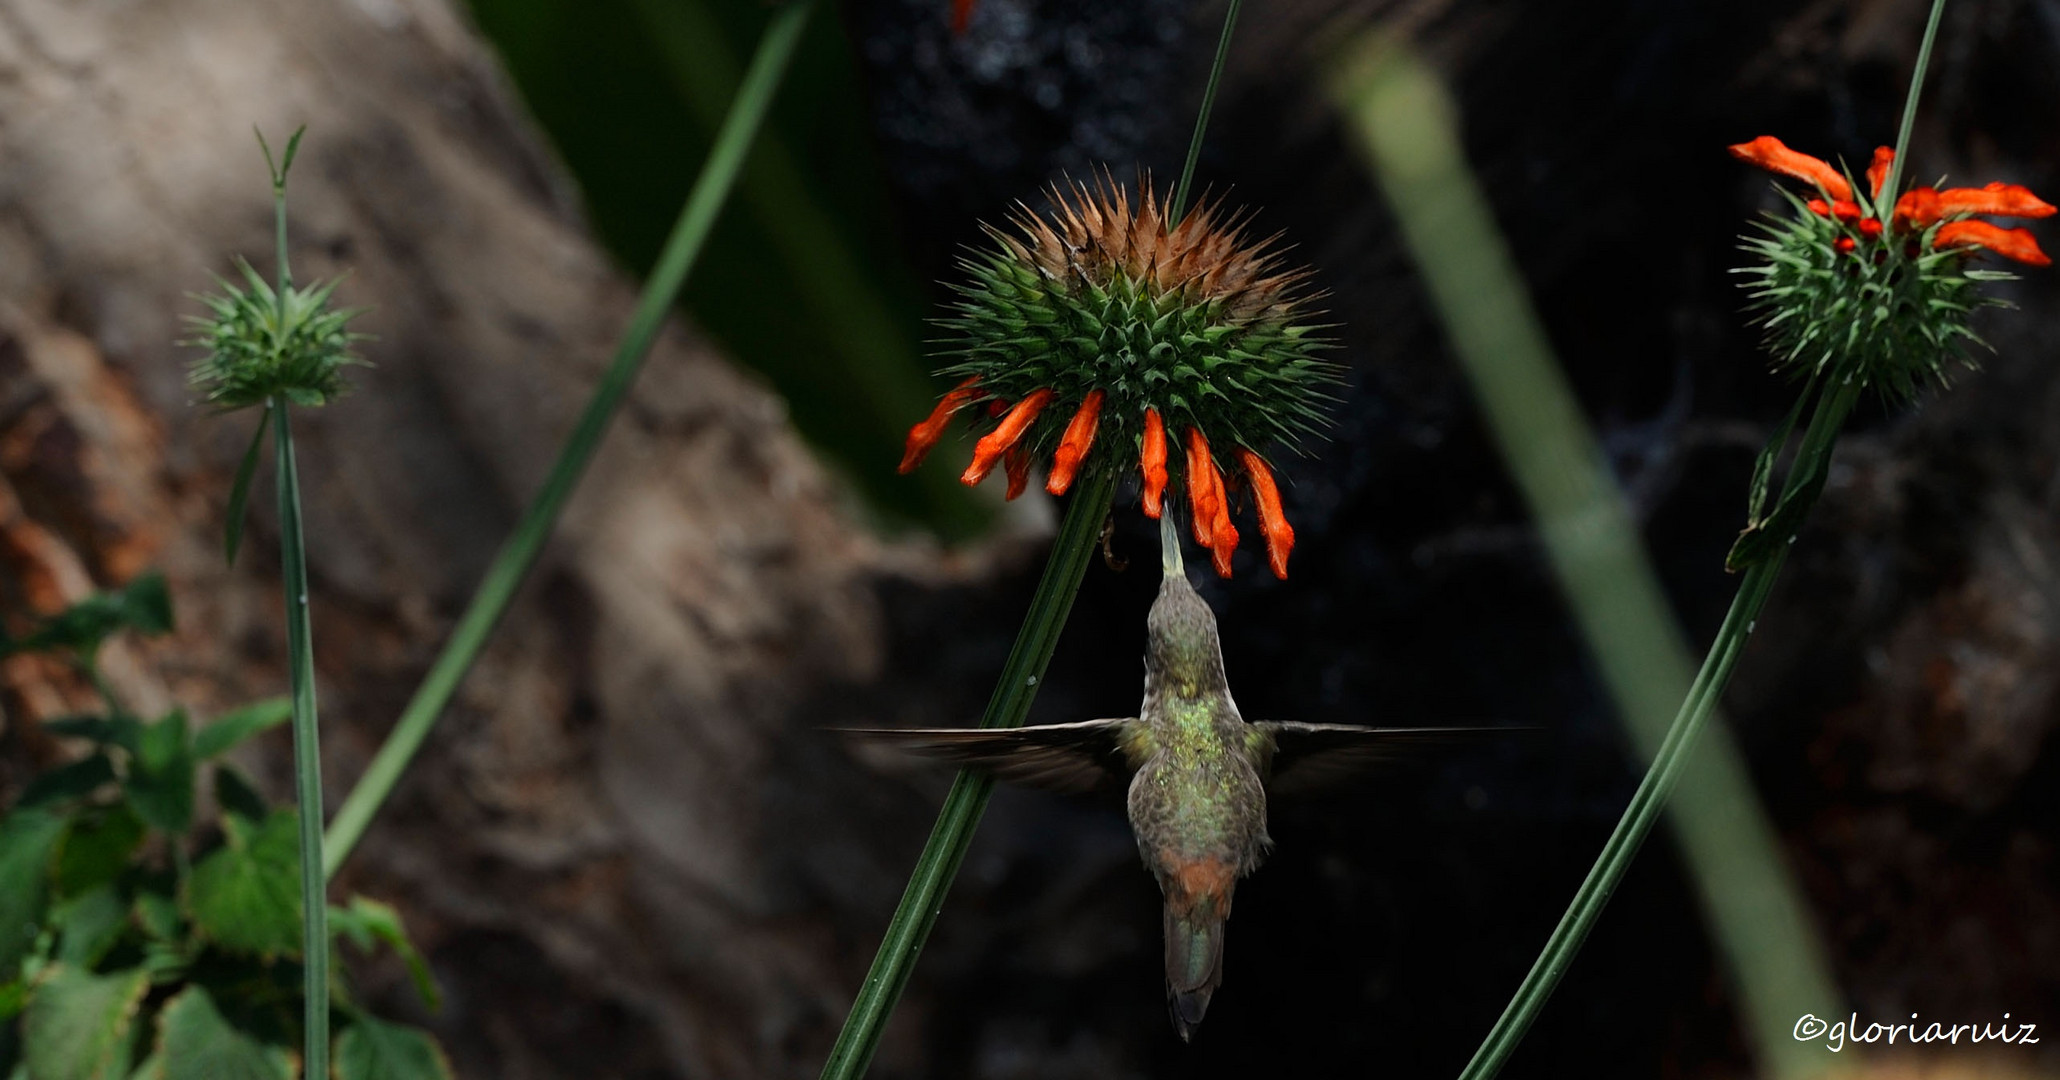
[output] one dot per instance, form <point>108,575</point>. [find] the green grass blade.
<point>239,492</point>
<point>963,806</point>
<point>511,564</point>
<point>1885,202</point>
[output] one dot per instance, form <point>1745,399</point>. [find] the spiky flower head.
<point>1102,330</point>
<point>1842,295</point>
<point>260,344</point>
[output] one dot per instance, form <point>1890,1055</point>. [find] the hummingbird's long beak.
<point>1169,543</point>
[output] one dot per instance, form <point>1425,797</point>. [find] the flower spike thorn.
<point>1840,293</point>
<point>1097,332</point>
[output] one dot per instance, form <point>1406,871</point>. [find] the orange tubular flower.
<point>1222,534</point>
<point>1877,171</point>
<point>1280,536</point>
<point>1997,199</point>
<point>923,436</point>
<point>961,15</point>
<point>2016,244</point>
<point>1152,462</point>
<point>1211,504</point>
<point>997,442</point>
<point>1768,153</point>
<point>1017,464</point>
<point>1204,488</point>
<point>1073,446</point>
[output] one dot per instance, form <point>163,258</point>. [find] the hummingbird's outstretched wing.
<point>1068,758</point>
<point>1308,757</point>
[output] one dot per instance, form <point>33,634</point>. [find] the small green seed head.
<point>258,346</point>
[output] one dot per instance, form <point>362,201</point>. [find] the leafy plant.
<point>141,940</point>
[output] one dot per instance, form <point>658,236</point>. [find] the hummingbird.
<point>1198,774</point>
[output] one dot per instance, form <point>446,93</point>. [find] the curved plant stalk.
<point>1762,559</point>
<point>511,564</point>
<point>1755,912</point>
<point>946,848</point>
<point>967,800</point>
<point>307,747</point>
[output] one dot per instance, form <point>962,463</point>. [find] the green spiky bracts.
<point>259,344</point>
<point>1099,333</point>
<point>1844,297</point>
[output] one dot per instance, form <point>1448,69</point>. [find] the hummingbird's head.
<point>1182,647</point>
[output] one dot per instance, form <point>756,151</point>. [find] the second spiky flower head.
<point>1099,328</point>
<point>1875,287</point>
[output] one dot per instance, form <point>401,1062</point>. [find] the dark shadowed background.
<point>630,852</point>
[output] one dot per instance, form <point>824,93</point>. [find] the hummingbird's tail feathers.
<point>1067,758</point>
<point>1198,896</point>
<point>1194,964</point>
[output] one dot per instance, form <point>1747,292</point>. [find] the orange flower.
<point>1915,211</point>
<point>1074,444</point>
<point>961,15</point>
<point>1280,536</point>
<point>2016,244</point>
<point>1768,153</point>
<point>1204,487</point>
<point>1877,171</point>
<point>1152,462</point>
<point>923,436</point>
<point>1211,504</point>
<point>1017,464</point>
<point>997,442</point>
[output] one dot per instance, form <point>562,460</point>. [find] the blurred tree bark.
<point>581,849</point>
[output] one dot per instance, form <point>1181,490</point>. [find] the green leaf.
<point>26,840</point>
<point>158,915</point>
<point>160,785</point>
<point>80,1026</point>
<point>195,1042</point>
<point>144,605</point>
<point>13,996</point>
<point>367,922</point>
<point>238,797</point>
<point>89,924</point>
<point>1763,466</point>
<point>376,1050</point>
<point>239,491</point>
<point>245,896</point>
<point>230,729</point>
<point>81,777</point>
<point>96,848</point>
<point>105,730</point>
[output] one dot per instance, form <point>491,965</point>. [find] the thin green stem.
<point>1885,202</point>
<point>1812,459</point>
<point>939,863</point>
<point>307,749</point>
<point>711,190</point>
<point>279,227</point>
<point>1194,144</point>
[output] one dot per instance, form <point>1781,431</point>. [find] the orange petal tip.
<point>1771,154</point>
